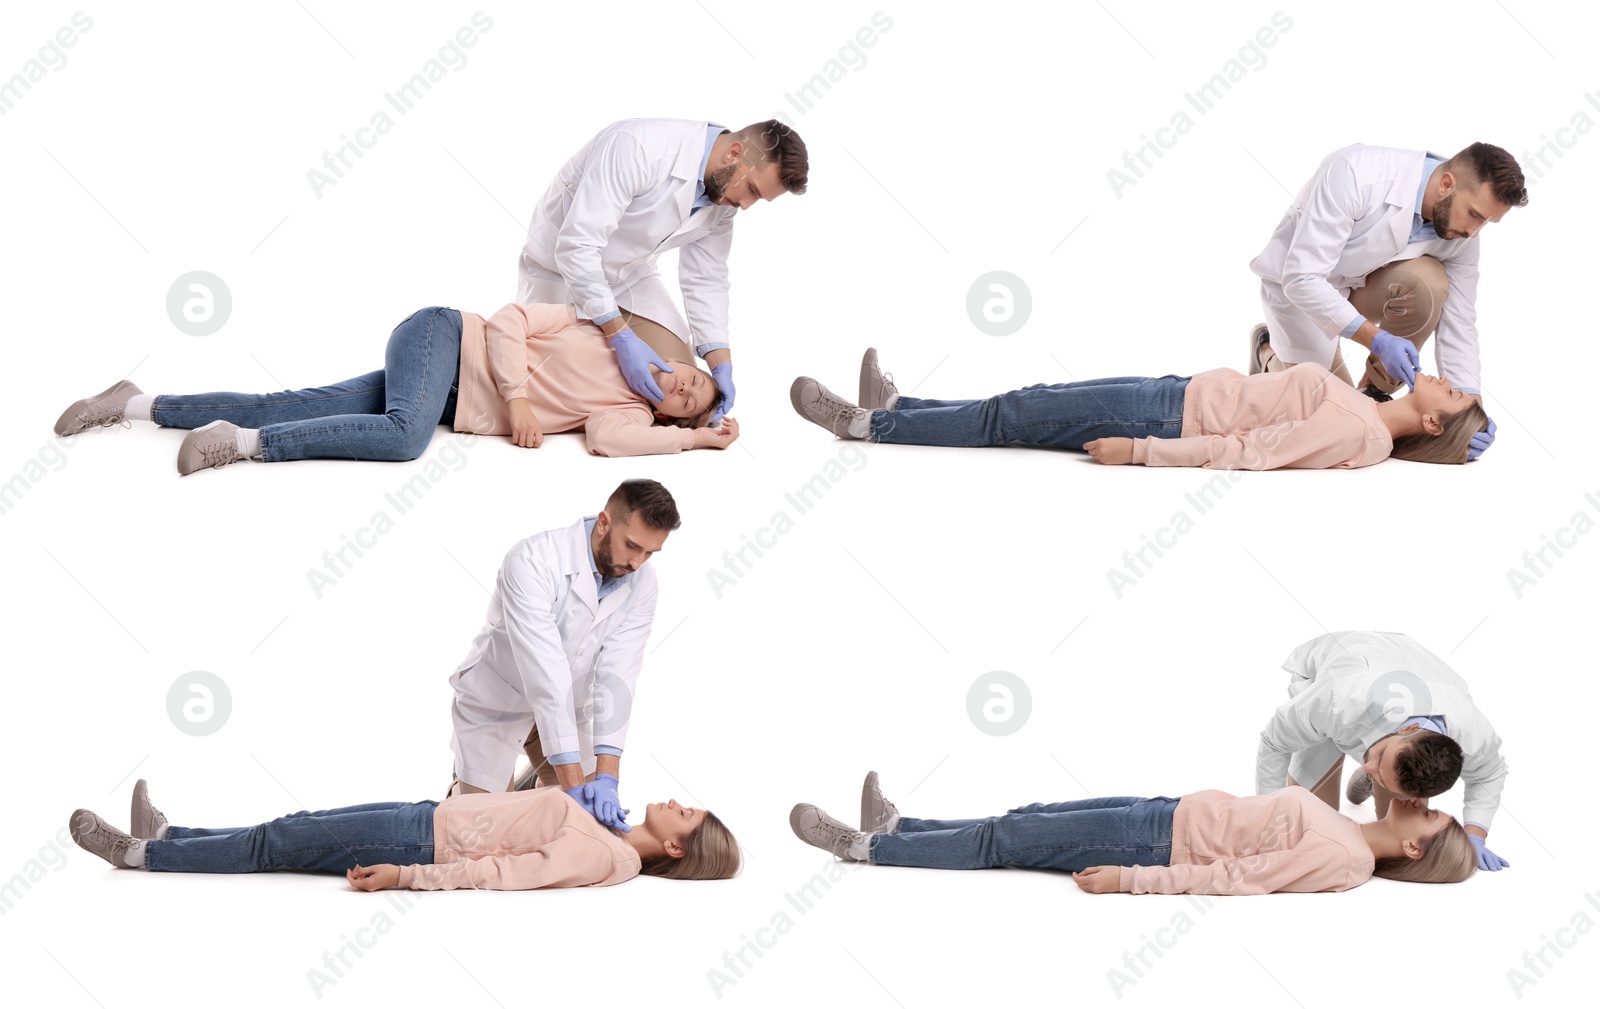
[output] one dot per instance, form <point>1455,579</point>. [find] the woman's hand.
<point>525,429</point>
<point>1111,451</point>
<point>712,437</point>
<point>1100,878</point>
<point>373,877</point>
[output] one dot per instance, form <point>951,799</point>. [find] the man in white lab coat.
<point>1380,247</point>
<point>637,189</point>
<point>1396,708</point>
<point>553,670</point>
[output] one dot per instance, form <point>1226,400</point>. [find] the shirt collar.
<point>1428,165</point>
<point>713,131</point>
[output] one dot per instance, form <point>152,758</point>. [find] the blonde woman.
<point>486,841</point>
<point>1205,842</point>
<point>524,372</point>
<point>1301,418</point>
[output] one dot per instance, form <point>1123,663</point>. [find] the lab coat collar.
<point>1403,194</point>
<point>580,576</point>
<point>687,169</point>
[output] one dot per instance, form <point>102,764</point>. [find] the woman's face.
<point>1438,397</point>
<point>686,391</point>
<point>670,821</point>
<point>1412,820</point>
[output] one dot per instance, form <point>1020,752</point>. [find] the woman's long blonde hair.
<point>1450,445</point>
<point>709,852</point>
<point>1447,857</point>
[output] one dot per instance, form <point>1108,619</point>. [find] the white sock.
<point>888,404</point>
<point>138,408</point>
<point>860,425</point>
<point>134,856</point>
<point>248,441</point>
<point>860,848</point>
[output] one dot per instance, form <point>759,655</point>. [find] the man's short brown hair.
<point>775,140</point>
<point>1487,163</point>
<point>649,500</point>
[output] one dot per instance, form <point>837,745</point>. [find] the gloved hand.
<point>1398,357</point>
<point>1488,861</point>
<point>1483,439</point>
<point>607,807</point>
<point>584,796</point>
<point>635,357</point>
<point>723,373</point>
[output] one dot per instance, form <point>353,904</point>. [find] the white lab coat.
<point>1353,216</point>
<point>551,654</point>
<point>1355,687</point>
<point>617,205</point>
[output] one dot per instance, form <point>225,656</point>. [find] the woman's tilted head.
<point>688,395</point>
<point>681,842</point>
<point>1449,417</point>
<point>1433,845</point>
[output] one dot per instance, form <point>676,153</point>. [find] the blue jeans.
<point>1064,416</point>
<point>1068,836</point>
<point>387,415</point>
<point>329,840</point>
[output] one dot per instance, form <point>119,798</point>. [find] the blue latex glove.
<point>635,357</point>
<point>607,807</point>
<point>723,373</point>
<point>1398,357</point>
<point>1483,439</point>
<point>583,795</point>
<point>1488,861</point>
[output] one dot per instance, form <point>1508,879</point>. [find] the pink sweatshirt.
<point>520,841</point>
<point>1284,840</point>
<point>567,373</point>
<point>1300,418</point>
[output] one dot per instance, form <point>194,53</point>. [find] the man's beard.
<point>1441,214</point>
<point>717,185</point>
<point>605,562</point>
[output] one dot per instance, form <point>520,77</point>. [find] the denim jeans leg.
<point>1120,831</point>
<point>329,840</point>
<point>421,367</point>
<point>174,832</point>
<point>362,394</point>
<point>1060,416</point>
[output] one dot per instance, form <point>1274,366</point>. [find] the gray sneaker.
<point>209,447</point>
<point>1359,788</point>
<point>815,403</point>
<point>820,830</point>
<point>877,388</point>
<point>98,837</point>
<point>1258,336</point>
<point>103,410</point>
<point>878,814</point>
<point>146,821</point>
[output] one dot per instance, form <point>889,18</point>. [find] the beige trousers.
<point>1405,298</point>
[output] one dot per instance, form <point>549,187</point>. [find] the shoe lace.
<point>220,453</point>
<point>114,842</point>
<point>105,416</point>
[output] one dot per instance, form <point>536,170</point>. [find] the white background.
<point>179,138</point>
